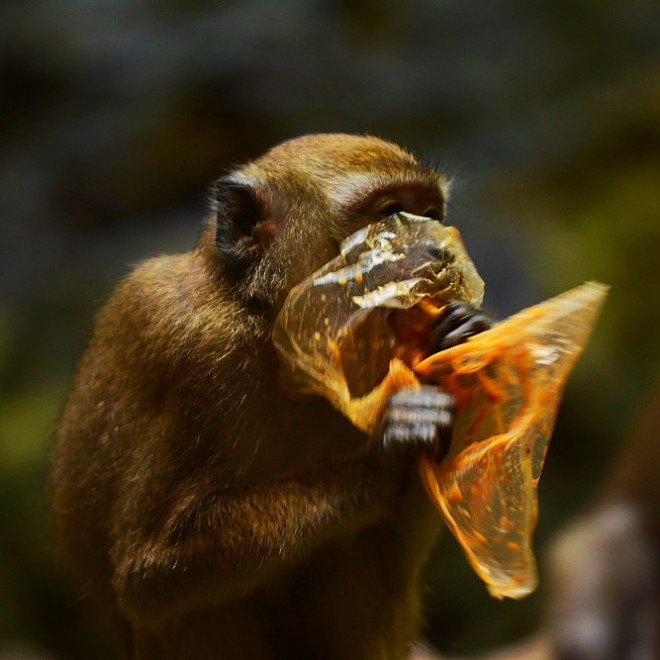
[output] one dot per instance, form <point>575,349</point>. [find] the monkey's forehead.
<point>364,161</point>
<point>345,151</point>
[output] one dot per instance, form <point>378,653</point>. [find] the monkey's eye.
<point>433,213</point>
<point>390,209</point>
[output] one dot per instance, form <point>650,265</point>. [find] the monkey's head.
<point>279,218</point>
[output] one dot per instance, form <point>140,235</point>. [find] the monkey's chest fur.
<point>353,598</point>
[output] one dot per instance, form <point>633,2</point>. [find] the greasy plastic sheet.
<point>507,382</point>
<point>333,332</point>
<point>355,332</point>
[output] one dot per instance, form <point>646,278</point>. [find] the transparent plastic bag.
<point>355,332</point>
<point>333,331</point>
<point>507,382</point>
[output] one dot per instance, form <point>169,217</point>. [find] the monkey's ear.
<point>238,213</point>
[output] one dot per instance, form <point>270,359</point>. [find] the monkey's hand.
<point>423,417</point>
<point>458,322</point>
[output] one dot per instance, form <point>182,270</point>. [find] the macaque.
<point>206,512</point>
<point>605,573</point>
<point>604,569</point>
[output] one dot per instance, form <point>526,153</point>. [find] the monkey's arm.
<point>219,545</point>
<point>184,533</point>
<point>192,443</point>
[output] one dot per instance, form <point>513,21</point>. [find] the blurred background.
<point>116,115</point>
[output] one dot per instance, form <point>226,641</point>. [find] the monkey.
<point>604,569</point>
<point>206,512</point>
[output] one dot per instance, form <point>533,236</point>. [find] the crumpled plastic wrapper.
<point>355,332</point>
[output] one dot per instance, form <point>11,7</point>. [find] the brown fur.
<point>208,514</point>
<point>605,568</point>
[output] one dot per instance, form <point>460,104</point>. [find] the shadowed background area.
<point>117,115</point>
